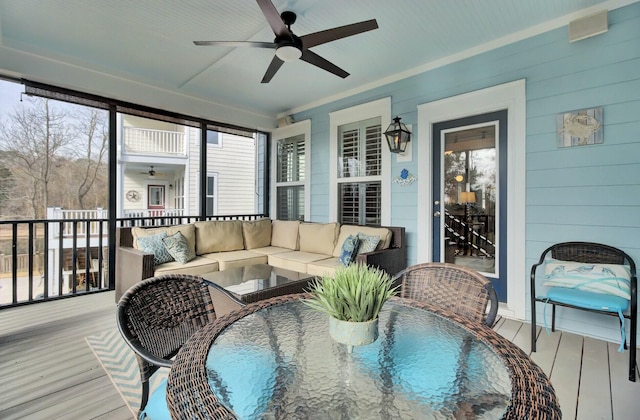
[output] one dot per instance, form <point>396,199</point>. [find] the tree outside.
<point>52,154</point>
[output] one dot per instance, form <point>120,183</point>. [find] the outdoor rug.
<point>120,363</point>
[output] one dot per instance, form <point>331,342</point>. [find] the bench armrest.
<point>391,260</point>
<point>132,266</point>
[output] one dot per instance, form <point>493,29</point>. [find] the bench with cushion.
<point>587,276</point>
<point>205,246</point>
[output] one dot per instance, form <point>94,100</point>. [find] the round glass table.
<point>275,359</point>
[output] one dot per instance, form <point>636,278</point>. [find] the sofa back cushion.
<point>346,230</point>
<point>187,230</point>
<point>318,238</point>
<point>218,236</point>
<point>257,233</point>
<point>284,233</point>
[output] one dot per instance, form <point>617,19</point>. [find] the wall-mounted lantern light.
<point>398,136</point>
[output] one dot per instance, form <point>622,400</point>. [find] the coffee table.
<point>259,281</point>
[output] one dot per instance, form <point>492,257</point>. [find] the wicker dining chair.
<point>452,287</point>
<point>157,316</point>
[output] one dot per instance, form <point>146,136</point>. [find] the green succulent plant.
<point>355,293</point>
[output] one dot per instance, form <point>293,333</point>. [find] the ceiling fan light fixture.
<point>288,53</point>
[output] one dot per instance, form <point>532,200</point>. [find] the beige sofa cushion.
<point>214,236</point>
<point>284,233</point>
<point>318,238</point>
<point>346,230</point>
<point>323,268</point>
<point>197,266</point>
<point>187,230</point>
<point>257,233</point>
<point>294,260</point>
<point>239,258</point>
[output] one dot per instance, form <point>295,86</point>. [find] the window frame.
<point>296,129</point>
<point>206,194</point>
<point>380,108</point>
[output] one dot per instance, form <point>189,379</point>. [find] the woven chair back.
<point>158,315</point>
<point>463,291</point>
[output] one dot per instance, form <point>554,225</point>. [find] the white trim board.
<point>510,96</point>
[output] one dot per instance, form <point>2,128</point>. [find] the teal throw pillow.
<point>368,243</point>
<point>349,249</point>
<point>179,248</point>
<point>153,244</point>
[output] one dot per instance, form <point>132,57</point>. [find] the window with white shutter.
<point>360,156</point>
<point>290,177</point>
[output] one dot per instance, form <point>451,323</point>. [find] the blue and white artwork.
<point>579,128</point>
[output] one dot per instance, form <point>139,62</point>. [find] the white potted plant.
<point>352,298</point>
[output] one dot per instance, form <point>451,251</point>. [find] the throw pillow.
<point>179,248</point>
<point>349,250</point>
<point>368,243</point>
<point>612,279</point>
<point>153,245</point>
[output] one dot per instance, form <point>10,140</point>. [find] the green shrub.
<point>355,293</point>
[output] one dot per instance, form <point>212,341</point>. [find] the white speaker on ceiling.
<point>588,26</point>
<point>285,121</point>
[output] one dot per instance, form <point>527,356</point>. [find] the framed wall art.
<point>579,128</point>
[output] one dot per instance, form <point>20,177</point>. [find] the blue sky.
<point>9,96</point>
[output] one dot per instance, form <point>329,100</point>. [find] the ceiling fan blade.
<point>313,58</point>
<point>238,44</point>
<point>273,17</point>
<point>275,65</point>
<point>328,35</point>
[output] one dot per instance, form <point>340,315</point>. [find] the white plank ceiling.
<point>150,41</point>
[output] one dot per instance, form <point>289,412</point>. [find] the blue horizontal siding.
<point>586,193</point>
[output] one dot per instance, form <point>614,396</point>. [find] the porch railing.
<point>146,141</point>
<point>38,264</point>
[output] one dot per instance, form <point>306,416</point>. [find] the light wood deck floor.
<point>47,371</point>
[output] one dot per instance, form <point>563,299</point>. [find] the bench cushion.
<point>612,279</point>
<point>295,260</point>
<point>240,258</point>
<point>197,266</point>
<point>346,230</point>
<point>588,300</point>
<point>318,238</point>
<point>284,234</point>
<point>257,233</point>
<point>214,236</point>
<point>187,230</point>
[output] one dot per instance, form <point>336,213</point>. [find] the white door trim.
<point>510,96</point>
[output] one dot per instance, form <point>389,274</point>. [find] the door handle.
<point>436,214</point>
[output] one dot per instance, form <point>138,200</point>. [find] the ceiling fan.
<point>151,172</point>
<point>291,47</point>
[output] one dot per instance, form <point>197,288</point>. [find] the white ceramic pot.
<point>353,333</point>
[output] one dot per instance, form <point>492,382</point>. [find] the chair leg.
<point>632,346</point>
<point>553,318</point>
<point>144,398</point>
<point>533,325</point>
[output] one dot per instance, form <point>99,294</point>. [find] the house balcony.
<point>143,141</point>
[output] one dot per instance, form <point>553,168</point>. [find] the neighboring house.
<point>159,168</point>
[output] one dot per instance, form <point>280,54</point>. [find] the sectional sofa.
<point>206,246</point>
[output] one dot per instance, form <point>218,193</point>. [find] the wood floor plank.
<point>509,329</point>
<point>595,386</point>
<point>565,375</point>
<point>546,349</point>
<point>623,392</point>
<point>522,338</point>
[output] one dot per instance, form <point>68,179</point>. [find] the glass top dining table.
<point>275,359</point>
